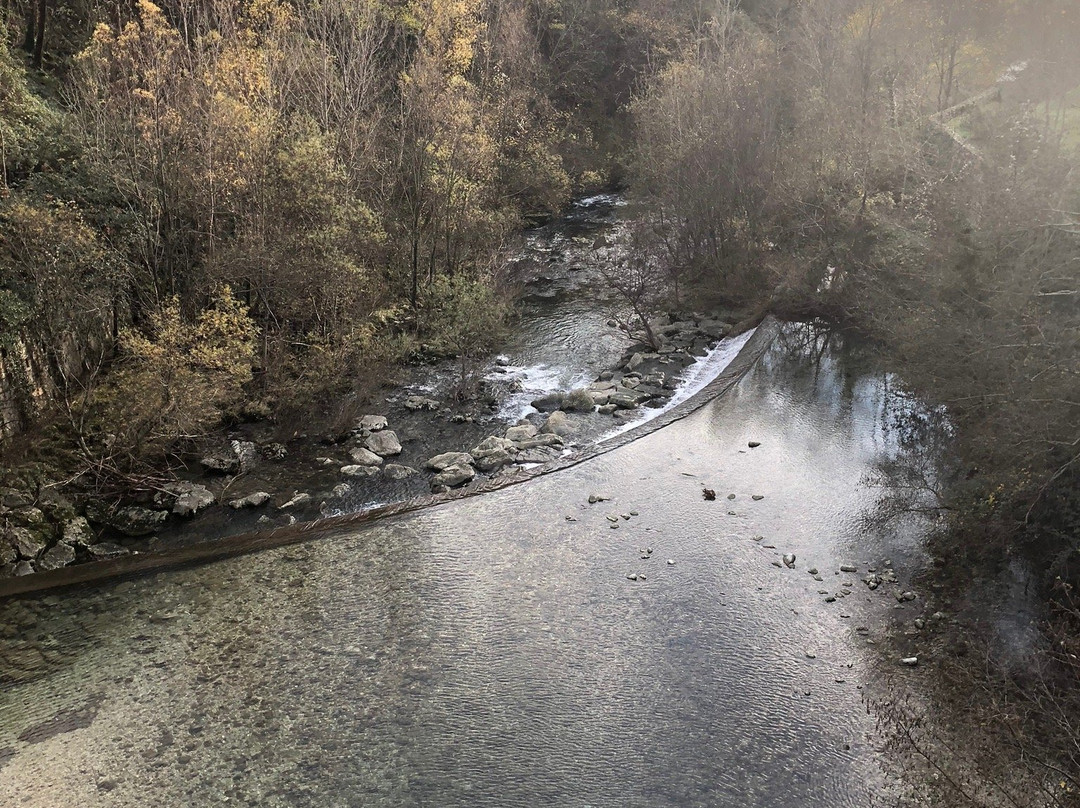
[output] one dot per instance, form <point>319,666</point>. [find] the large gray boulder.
<point>546,440</point>
<point>579,400</point>
<point>493,461</point>
<point>448,459</point>
<point>453,476</point>
<point>491,445</point>
<point>383,443</point>
<point>520,432</point>
<point>548,403</point>
<point>558,424</point>
<point>365,457</point>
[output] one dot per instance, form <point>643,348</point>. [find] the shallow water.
<point>492,651</point>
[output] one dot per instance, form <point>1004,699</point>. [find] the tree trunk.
<point>39,44</point>
<point>28,40</point>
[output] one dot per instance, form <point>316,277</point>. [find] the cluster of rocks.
<point>45,533</point>
<point>519,445</point>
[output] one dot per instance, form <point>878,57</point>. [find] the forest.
<point>214,211</point>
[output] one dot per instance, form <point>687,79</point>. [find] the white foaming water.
<point>693,380</point>
<point>536,381</point>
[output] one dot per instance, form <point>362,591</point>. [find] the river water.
<point>492,651</point>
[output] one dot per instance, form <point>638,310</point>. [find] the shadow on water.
<point>519,648</point>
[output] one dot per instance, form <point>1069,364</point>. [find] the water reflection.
<point>493,651</point>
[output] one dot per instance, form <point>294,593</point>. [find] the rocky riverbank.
<point>410,445</point>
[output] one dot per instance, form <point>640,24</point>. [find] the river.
<point>494,650</point>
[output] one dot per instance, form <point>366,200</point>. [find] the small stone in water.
<point>708,494</point>
<point>625,516</point>
<point>789,560</point>
<point>777,564</point>
<point>830,599</point>
<point>594,498</point>
<point>812,571</point>
<point>811,655</point>
<point>631,577</point>
<point>848,568</point>
<point>633,513</point>
<point>753,444</point>
<point>757,497</point>
<point>671,562</point>
<point>910,661</point>
<point>731,496</point>
<point>612,518</point>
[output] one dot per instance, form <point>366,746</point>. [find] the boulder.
<point>453,476</point>
<point>491,445</point>
<point>136,521</point>
<point>624,401</point>
<point>26,543</point>
<point>548,403</point>
<point>447,459</point>
<point>246,452</point>
<point>59,555</point>
<point>372,423</point>
<point>341,490</point>
<point>359,471</point>
<point>577,401</point>
<point>520,432</point>
<point>365,457</point>
<point>27,517</point>
<point>418,403</point>
<point>493,461</point>
<point>546,440</point>
<point>634,361</point>
<point>190,498</point>
<point>384,443</point>
<point>8,553</point>
<point>78,531</point>
<point>396,472</point>
<point>255,500</point>
<point>558,424</point>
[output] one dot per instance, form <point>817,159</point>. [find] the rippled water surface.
<point>492,651</point>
